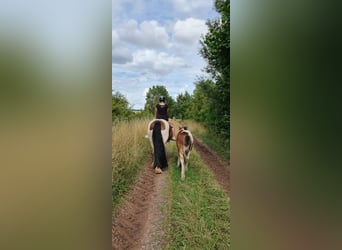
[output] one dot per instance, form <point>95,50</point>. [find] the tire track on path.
<point>138,222</point>
<point>219,168</point>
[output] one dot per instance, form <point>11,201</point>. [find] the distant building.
<point>136,110</point>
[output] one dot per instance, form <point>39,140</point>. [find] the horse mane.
<point>158,147</point>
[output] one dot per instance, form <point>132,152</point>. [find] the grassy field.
<point>199,211</point>
<point>129,149</point>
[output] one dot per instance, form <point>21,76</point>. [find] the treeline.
<point>214,94</point>
<point>210,102</point>
<point>122,110</point>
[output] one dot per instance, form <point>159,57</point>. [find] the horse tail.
<point>158,147</point>
<point>187,140</point>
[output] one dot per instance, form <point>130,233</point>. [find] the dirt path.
<point>138,223</point>
<point>220,168</point>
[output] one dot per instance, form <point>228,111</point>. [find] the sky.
<point>156,42</point>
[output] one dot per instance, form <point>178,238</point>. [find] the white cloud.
<point>189,31</point>
<point>148,34</point>
<point>191,5</point>
<point>121,55</point>
<point>145,91</point>
<point>157,62</point>
<point>156,42</point>
<point>120,8</point>
<point>115,38</point>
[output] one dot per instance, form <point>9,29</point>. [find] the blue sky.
<point>155,42</point>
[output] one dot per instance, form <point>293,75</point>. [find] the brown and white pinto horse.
<point>185,142</point>
<point>158,132</point>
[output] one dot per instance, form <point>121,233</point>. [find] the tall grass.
<point>130,150</point>
<point>195,127</point>
<point>215,142</point>
<point>199,210</point>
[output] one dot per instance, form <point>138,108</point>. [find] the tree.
<point>216,51</point>
<point>216,43</point>
<point>183,105</point>
<point>202,101</point>
<point>120,106</point>
<point>152,99</point>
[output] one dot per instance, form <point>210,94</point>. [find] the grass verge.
<point>216,143</point>
<point>130,150</point>
<point>199,210</point>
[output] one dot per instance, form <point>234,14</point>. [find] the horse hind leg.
<point>186,160</point>
<point>183,166</point>
<point>186,164</point>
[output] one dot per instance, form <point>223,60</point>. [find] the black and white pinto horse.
<point>158,132</point>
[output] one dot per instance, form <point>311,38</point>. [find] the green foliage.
<point>216,50</point>
<point>219,144</point>
<point>202,100</point>
<point>152,99</point>
<point>216,43</point>
<point>120,107</point>
<point>182,107</point>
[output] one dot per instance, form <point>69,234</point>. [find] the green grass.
<point>130,151</point>
<point>199,210</point>
<point>216,143</point>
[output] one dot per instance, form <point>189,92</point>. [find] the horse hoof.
<point>158,170</point>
